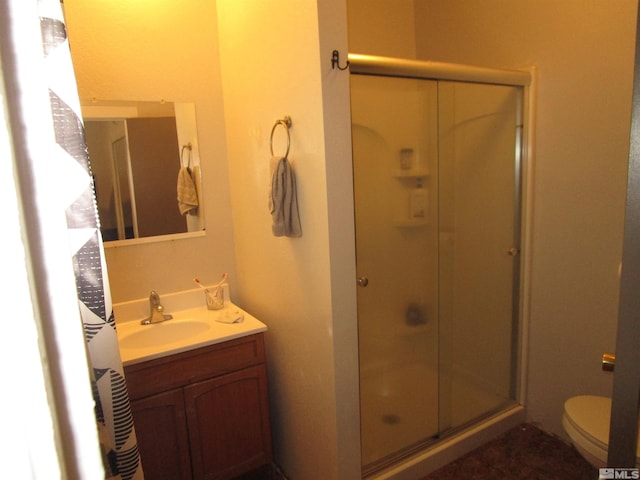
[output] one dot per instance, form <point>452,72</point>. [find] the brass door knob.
<point>608,362</point>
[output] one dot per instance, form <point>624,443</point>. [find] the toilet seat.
<point>586,420</point>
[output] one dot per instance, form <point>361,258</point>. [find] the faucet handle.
<point>154,298</point>
<point>156,313</point>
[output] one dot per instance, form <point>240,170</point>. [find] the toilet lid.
<point>590,415</point>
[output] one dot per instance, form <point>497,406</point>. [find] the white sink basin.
<point>164,333</point>
<point>191,326</point>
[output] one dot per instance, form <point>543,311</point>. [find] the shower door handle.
<point>363,281</point>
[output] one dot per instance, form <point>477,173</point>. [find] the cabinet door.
<point>228,420</point>
<point>161,430</point>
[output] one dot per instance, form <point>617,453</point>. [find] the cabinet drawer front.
<point>182,369</point>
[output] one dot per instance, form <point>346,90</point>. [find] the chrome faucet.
<point>156,314</point>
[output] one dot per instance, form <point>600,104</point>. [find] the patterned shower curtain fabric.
<point>113,410</point>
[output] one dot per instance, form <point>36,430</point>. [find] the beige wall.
<point>382,27</point>
<point>129,51</point>
<point>272,66</point>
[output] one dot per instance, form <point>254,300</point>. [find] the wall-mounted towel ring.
<point>286,123</point>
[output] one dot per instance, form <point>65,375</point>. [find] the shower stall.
<point>439,162</point>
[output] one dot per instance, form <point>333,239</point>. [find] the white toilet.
<point>586,421</point>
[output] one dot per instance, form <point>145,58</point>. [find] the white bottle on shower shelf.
<point>418,203</point>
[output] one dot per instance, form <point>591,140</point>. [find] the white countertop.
<point>189,328</point>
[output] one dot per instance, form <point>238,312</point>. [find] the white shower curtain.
<point>113,411</point>
<point>53,181</point>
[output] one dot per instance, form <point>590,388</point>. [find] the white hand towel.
<point>283,203</point>
<point>187,195</point>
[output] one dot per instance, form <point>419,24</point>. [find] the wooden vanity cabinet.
<point>202,414</point>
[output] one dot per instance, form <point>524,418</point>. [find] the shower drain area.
<point>391,419</point>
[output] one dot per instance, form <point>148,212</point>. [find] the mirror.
<point>143,157</point>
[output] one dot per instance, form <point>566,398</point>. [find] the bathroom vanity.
<point>200,403</point>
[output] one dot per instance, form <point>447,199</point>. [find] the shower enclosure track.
<point>399,67</point>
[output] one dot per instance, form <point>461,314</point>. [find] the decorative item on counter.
<point>406,158</point>
<point>215,295</point>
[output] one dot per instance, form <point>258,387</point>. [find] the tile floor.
<point>523,453</point>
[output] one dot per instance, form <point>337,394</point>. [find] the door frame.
<point>623,432</point>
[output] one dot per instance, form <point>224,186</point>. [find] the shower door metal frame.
<point>430,70</point>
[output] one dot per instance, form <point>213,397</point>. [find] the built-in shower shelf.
<point>411,173</point>
<point>410,223</point>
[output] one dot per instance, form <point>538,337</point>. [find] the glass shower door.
<point>395,149</point>
<point>437,199</point>
<point>478,248</point>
